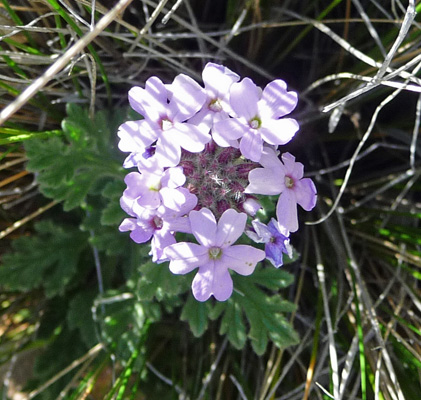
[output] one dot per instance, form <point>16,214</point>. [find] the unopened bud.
<point>210,147</point>
<point>244,169</point>
<point>227,155</point>
<point>188,167</point>
<point>251,206</point>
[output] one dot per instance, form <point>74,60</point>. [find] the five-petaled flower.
<point>257,117</point>
<point>276,242</point>
<point>165,111</point>
<point>153,187</point>
<point>217,80</point>
<point>215,254</point>
<point>158,224</point>
<point>286,179</point>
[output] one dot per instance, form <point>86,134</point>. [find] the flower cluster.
<point>202,155</point>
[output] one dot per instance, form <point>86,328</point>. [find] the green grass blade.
<point>12,64</point>
<point>69,20</point>
<point>17,21</point>
<point>120,385</point>
<point>42,103</point>
<point>8,151</point>
<point>17,135</point>
<point>306,30</point>
<point>87,383</point>
<point>21,46</point>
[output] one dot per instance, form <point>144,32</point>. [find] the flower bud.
<point>251,206</point>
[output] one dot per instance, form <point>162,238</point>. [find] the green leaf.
<point>196,314</point>
<point>258,331</point>
<point>264,312</point>
<point>79,316</point>
<point>68,170</point>
<point>156,280</point>
<point>233,325</point>
<point>273,278</point>
<point>105,238</point>
<point>83,131</point>
<point>112,213</point>
<point>265,315</point>
<point>48,260</point>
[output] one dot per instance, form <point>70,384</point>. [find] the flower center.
<point>155,188</point>
<point>154,183</point>
<point>166,124</point>
<point>157,222</point>
<point>289,182</point>
<point>215,253</point>
<point>215,105</point>
<point>217,177</point>
<point>255,123</point>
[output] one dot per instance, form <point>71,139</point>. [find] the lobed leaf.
<point>264,314</point>
<point>79,316</point>
<point>47,260</point>
<point>68,170</point>
<point>253,302</point>
<point>156,280</point>
<point>195,313</point>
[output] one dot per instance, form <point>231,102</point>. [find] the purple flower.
<point>165,109</point>
<point>284,178</point>
<point>158,224</point>
<point>251,206</point>
<point>134,140</point>
<point>257,117</point>
<point>276,242</point>
<point>214,254</point>
<point>150,224</point>
<point>151,188</point>
<point>217,80</point>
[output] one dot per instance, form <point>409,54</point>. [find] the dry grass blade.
<point>23,221</point>
<point>90,354</point>
<point>406,24</point>
<point>62,62</point>
<point>357,151</point>
<point>329,324</point>
<point>391,381</point>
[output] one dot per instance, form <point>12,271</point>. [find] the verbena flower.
<point>158,224</point>
<point>133,139</point>
<point>202,154</point>
<point>276,243</point>
<point>215,254</point>
<point>150,188</point>
<point>286,179</point>
<point>165,110</point>
<point>217,80</point>
<point>257,117</point>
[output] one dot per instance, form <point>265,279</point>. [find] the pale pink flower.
<point>215,254</point>
<point>258,117</point>
<point>286,179</point>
